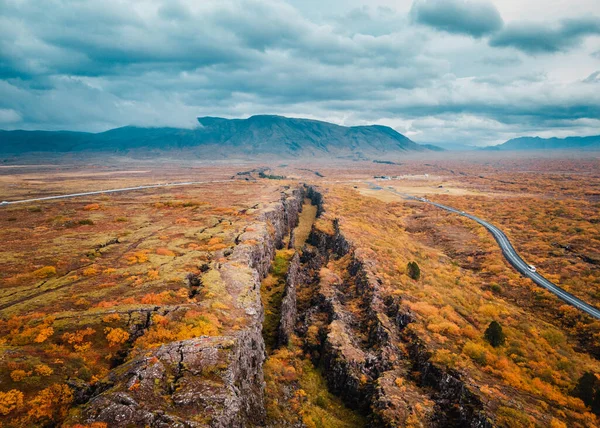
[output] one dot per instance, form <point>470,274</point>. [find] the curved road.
<point>100,192</point>
<point>511,255</point>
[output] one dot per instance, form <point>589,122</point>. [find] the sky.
<point>475,72</point>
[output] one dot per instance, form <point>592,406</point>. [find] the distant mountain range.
<point>224,138</point>
<point>537,143</point>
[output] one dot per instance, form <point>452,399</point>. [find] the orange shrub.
<point>44,334</point>
<point>137,257</point>
<point>107,304</point>
<point>153,298</point>
<point>116,336</point>
<point>165,252</point>
<point>50,404</point>
<point>90,271</point>
<point>77,337</point>
<point>10,400</point>
<point>107,285</point>
<point>110,318</point>
<point>214,241</point>
<point>19,375</point>
<point>43,370</point>
<point>182,221</point>
<point>91,207</point>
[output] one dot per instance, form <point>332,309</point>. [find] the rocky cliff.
<point>214,381</point>
<point>359,337</point>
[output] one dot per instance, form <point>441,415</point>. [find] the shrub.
<point>588,389</point>
<point>90,271</point>
<point>476,352</point>
<point>77,337</point>
<point>44,334</point>
<point>165,252</point>
<point>86,221</point>
<point>91,207</point>
<point>116,336</point>
<point>51,404</point>
<point>494,334</point>
<point>45,272</point>
<point>43,370</point>
<point>413,270</point>
<point>18,375</point>
<point>10,400</point>
<point>110,318</point>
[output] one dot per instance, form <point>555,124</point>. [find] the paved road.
<point>510,254</point>
<point>100,192</point>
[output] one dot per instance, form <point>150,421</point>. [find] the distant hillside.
<point>224,138</point>
<point>537,143</point>
<point>458,147</point>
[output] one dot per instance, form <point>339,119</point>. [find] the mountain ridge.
<point>217,137</point>
<point>554,143</point>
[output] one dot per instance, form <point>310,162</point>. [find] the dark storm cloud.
<point>471,17</point>
<point>537,38</point>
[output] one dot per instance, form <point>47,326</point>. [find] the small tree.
<point>413,270</point>
<point>494,334</point>
<point>588,389</point>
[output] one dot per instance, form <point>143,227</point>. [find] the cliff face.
<point>355,333</point>
<point>368,356</point>
<point>212,381</point>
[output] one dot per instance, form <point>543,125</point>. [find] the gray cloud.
<point>98,64</point>
<point>471,17</point>
<point>536,38</point>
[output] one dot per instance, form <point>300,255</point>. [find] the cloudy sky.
<point>468,71</point>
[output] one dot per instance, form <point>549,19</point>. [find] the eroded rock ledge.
<point>367,354</point>
<point>205,381</point>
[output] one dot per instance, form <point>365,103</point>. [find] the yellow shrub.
<point>45,272</point>
<point>110,318</point>
<point>51,403</point>
<point>90,271</point>
<point>43,370</point>
<point>44,334</point>
<point>19,375</point>
<point>10,400</point>
<point>444,327</point>
<point>116,336</point>
<point>476,352</point>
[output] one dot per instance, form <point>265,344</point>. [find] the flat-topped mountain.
<point>223,138</point>
<point>537,143</point>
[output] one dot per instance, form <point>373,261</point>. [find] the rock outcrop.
<point>208,381</point>
<point>368,356</point>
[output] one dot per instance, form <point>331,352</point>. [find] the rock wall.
<point>287,323</point>
<point>365,347</point>
<point>205,381</point>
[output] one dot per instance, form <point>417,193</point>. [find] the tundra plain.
<point>284,294</point>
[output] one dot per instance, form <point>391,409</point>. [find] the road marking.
<point>100,192</point>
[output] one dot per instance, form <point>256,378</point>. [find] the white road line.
<point>100,192</point>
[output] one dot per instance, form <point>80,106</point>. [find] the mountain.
<point>537,143</point>
<point>455,146</point>
<point>222,138</point>
<point>432,147</point>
